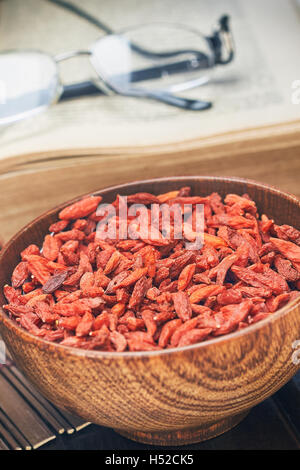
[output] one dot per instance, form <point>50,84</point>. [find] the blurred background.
<point>254,89</point>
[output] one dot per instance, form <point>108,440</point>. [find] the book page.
<point>256,89</point>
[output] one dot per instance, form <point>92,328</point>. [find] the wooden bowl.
<point>175,396</point>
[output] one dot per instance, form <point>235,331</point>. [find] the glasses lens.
<point>155,56</point>
<point>28,83</point>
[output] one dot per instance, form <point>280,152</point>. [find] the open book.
<point>258,89</point>
<point>252,130</point>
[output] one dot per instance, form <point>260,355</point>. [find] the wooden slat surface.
<point>9,438</point>
<point>12,428</point>
<point>3,446</point>
<point>65,426</point>
<point>45,415</point>
<point>19,411</point>
<point>27,419</point>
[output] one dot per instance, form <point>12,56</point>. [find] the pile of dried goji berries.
<point>150,294</point>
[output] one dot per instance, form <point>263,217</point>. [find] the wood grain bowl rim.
<point>71,350</point>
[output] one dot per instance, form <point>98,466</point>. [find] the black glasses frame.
<point>220,42</point>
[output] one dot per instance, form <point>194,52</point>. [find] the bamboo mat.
<point>27,420</point>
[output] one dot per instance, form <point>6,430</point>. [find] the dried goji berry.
<point>185,276</point>
<point>51,247</point>
<point>80,209</point>
<point>20,274</point>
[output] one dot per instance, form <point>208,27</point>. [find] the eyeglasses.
<point>153,61</point>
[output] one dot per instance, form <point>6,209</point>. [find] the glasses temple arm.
<point>82,14</point>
